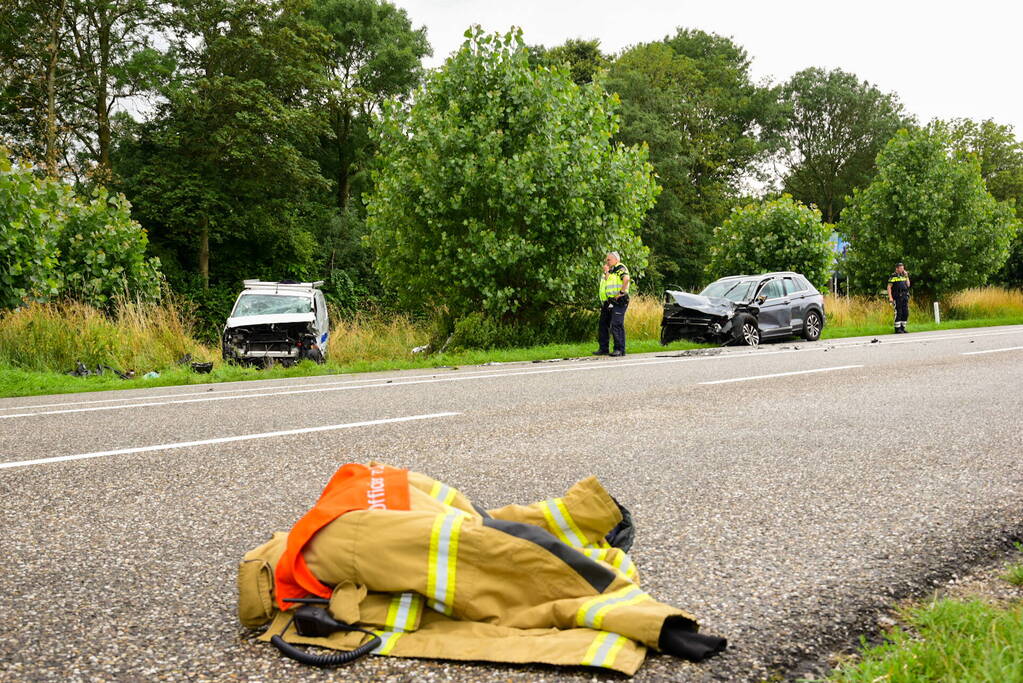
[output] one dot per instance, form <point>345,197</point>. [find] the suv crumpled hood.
<point>703,304</point>
<point>247,320</point>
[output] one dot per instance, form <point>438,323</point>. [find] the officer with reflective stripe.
<point>898,295</point>
<point>614,301</point>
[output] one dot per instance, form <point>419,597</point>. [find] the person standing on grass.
<point>898,295</point>
<point>614,300</point>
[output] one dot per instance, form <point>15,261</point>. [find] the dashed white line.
<point>782,374</point>
<point>977,353</point>
<point>224,439</point>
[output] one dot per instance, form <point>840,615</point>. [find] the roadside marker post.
<point>937,313</point>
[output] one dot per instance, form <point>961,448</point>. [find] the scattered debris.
<point>425,348</point>
<point>875,340</point>
<point>492,362</point>
<point>202,368</point>
<point>550,360</point>
<point>185,360</point>
<point>82,370</point>
<point>691,352</point>
<point>152,374</point>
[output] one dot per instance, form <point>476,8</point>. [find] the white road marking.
<point>976,353</point>
<point>224,439</point>
<point>367,383</point>
<point>782,374</point>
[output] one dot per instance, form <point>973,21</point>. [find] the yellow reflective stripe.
<point>561,523</point>
<point>443,492</point>
<point>593,611</point>
<point>403,612</point>
<point>388,639</point>
<point>620,561</point>
<point>440,582</point>
<point>604,649</point>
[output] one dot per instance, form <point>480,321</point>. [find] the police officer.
<point>614,300</point>
<point>898,295</point>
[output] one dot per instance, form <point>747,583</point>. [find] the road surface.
<point>783,495</point>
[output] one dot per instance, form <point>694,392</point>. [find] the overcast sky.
<point>942,59</point>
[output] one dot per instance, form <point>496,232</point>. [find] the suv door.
<point>796,294</point>
<point>774,318</point>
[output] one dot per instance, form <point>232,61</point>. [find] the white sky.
<point>943,59</point>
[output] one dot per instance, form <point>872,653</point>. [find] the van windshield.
<point>271,304</point>
<point>733,290</point>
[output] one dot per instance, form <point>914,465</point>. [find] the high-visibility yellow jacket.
<point>443,579</point>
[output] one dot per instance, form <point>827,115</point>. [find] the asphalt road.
<point>783,495</point>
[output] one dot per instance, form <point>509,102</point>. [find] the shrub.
<point>776,235</point>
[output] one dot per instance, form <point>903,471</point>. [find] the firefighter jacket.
<point>416,562</point>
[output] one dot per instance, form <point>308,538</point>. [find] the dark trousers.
<point>612,323</point>
<point>901,311</point>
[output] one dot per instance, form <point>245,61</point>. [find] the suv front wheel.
<point>746,330</point>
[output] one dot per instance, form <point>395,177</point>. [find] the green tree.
<point>775,235</point>
<point>57,244</point>
<point>499,189</point>
<point>33,40</point>
<point>374,54</point>
<point>583,58</point>
<point>1000,155</point>
<point>224,163</point>
<point>710,129</point>
<point>927,206</point>
<point>837,126</point>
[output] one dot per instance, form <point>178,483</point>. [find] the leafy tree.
<point>709,127</point>
<point>33,38</point>
<point>1000,155</point>
<point>583,58</point>
<point>781,234</point>
<point>373,55</point>
<point>837,126</point>
<point>223,163</point>
<point>499,189</point>
<point>56,244</point>
<point>928,207</point>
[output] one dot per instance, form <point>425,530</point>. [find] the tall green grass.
<point>133,336</point>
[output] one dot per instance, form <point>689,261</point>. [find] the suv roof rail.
<point>250,284</point>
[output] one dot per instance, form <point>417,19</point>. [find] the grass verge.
<point>970,631</point>
<point>41,342</point>
<point>946,640</point>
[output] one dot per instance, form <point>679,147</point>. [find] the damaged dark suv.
<point>744,309</point>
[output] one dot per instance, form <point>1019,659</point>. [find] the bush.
<point>929,207</point>
<point>776,235</point>
<point>500,189</point>
<point>53,243</point>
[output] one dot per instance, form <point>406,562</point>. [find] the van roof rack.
<point>278,286</point>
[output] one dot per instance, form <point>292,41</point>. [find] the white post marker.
<point>937,313</point>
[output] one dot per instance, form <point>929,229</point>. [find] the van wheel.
<point>812,326</point>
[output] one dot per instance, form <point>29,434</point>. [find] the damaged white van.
<point>277,322</point>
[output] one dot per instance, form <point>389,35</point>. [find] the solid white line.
<point>225,439</point>
<point>782,374</point>
<point>975,353</point>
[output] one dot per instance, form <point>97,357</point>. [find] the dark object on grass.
<point>202,368</point>
<point>185,360</point>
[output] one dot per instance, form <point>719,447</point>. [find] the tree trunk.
<point>204,252</point>
<point>51,90</point>
<point>343,130</point>
<point>102,97</point>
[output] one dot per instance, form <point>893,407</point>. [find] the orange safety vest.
<point>353,487</point>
